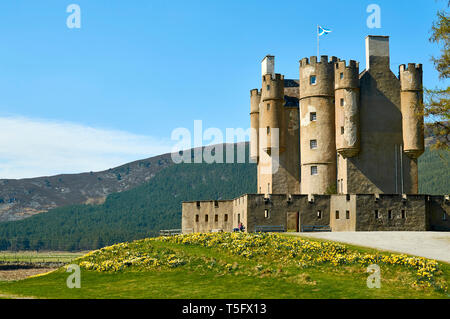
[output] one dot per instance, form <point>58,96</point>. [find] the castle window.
<point>313,170</point>
<point>313,144</point>
<point>197,218</point>
<point>342,102</point>
<point>268,106</point>
<point>337,214</point>
<point>198,204</point>
<point>266,213</point>
<point>206,218</point>
<point>216,203</point>
<point>390,214</point>
<point>377,214</point>
<point>225,219</point>
<point>347,196</point>
<point>312,116</point>
<point>239,219</point>
<point>216,218</point>
<point>342,130</point>
<point>347,214</point>
<point>403,214</point>
<point>312,80</point>
<point>319,214</point>
<point>268,88</point>
<point>341,76</point>
<point>268,130</point>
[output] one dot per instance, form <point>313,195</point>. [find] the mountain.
<point>132,214</point>
<point>22,198</point>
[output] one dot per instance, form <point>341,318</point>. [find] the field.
<point>34,256</point>
<point>238,266</point>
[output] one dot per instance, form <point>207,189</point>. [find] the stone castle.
<point>335,150</point>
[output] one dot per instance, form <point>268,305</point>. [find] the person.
<point>241,227</point>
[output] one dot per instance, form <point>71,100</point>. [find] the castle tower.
<point>381,165</point>
<point>278,165</point>
<point>255,100</point>
<point>317,125</point>
<point>411,97</point>
<point>347,108</point>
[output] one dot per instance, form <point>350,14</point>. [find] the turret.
<point>347,108</point>
<point>317,125</point>
<point>412,109</point>
<point>272,112</point>
<point>255,99</point>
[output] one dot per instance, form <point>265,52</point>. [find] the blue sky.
<point>144,68</point>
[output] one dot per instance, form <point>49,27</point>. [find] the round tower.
<point>272,113</point>
<point>317,125</point>
<point>412,109</point>
<point>255,99</point>
<point>346,84</point>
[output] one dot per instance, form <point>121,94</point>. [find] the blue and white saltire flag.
<point>322,30</point>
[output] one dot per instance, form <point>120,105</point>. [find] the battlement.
<point>411,77</point>
<point>313,60</point>
<point>342,65</point>
<point>254,92</point>
<point>412,67</point>
<point>275,77</point>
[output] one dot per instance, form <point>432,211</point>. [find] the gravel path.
<point>433,245</point>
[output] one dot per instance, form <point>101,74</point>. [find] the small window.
<point>216,218</point>
<point>313,170</point>
<point>444,217</point>
<point>225,218</point>
<point>216,203</point>
<point>312,79</point>
<point>206,218</point>
<point>198,204</point>
<point>268,87</point>
<point>268,130</point>
<point>268,106</point>
<point>347,214</point>
<point>337,214</point>
<point>341,75</point>
<point>319,214</point>
<point>377,214</point>
<point>312,116</point>
<point>239,219</point>
<point>197,218</point>
<point>390,214</point>
<point>313,144</point>
<point>266,213</point>
<point>342,102</point>
<point>347,196</point>
<point>403,214</point>
<point>342,130</point>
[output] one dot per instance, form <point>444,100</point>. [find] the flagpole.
<point>317,30</point>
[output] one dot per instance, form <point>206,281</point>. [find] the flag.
<point>322,31</point>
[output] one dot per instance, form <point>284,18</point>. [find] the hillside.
<point>22,198</point>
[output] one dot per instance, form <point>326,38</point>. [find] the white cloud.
<point>35,147</point>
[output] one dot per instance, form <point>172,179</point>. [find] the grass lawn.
<point>214,272</point>
<point>41,256</point>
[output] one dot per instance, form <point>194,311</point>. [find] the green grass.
<point>34,256</point>
<point>203,277</point>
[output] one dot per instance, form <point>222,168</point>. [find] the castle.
<point>336,149</point>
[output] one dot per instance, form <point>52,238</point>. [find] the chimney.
<point>377,51</point>
<point>268,65</point>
